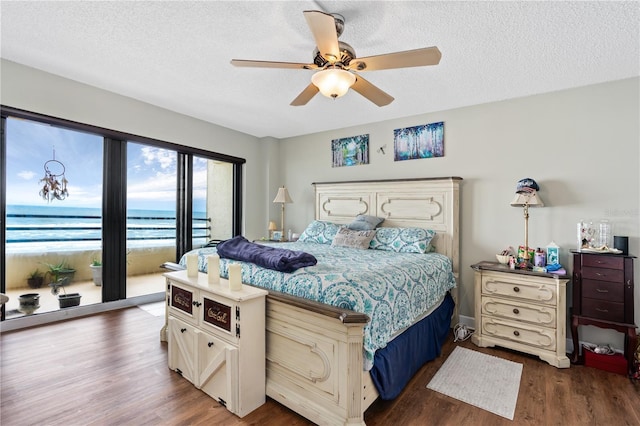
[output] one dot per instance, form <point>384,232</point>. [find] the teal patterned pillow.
<point>319,232</point>
<point>402,240</point>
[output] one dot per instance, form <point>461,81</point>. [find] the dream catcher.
<point>55,184</point>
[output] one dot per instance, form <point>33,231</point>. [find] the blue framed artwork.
<point>425,141</point>
<point>350,151</point>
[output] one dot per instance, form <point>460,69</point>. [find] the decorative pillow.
<point>354,239</point>
<point>319,232</point>
<point>365,223</point>
<point>402,240</point>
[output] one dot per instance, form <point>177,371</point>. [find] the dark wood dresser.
<point>603,297</point>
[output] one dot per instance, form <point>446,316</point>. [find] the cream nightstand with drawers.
<point>521,310</point>
<point>216,339</point>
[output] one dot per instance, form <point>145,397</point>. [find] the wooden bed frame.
<point>314,356</point>
<point>314,351</point>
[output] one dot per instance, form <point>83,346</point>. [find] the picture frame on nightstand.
<point>553,254</point>
<point>276,235</point>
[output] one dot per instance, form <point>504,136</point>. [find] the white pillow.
<point>346,237</point>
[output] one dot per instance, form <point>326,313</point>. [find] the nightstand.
<point>603,297</point>
<point>521,310</point>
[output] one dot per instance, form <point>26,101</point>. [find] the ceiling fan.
<point>337,64</point>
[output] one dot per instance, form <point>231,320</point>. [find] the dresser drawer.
<point>599,261</point>
<point>536,314</point>
<point>603,290</point>
<point>518,288</point>
<point>603,309</point>
<point>540,337</point>
<point>602,274</point>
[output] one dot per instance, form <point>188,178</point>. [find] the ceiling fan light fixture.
<point>333,82</point>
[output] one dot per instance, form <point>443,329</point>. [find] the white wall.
<point>580,145</point>
<point>37,91</point>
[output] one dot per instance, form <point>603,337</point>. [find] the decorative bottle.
<point>539,258</point>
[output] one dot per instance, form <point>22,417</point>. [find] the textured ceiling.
<point>175,54</point>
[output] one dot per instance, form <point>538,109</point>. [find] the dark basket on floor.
<point>68,300</point>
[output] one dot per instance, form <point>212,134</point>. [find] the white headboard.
<point>431,203</point>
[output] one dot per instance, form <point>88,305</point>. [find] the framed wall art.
<point>350,151</point>
<point>425,141</point>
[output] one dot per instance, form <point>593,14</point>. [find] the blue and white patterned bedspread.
<point>393,289</point>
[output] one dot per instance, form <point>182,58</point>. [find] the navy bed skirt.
<point>395,365</point>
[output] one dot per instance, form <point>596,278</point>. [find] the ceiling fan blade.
<point>371,92</point>
<point>406,59</point>
<point>305,96</point>
<point>323,27</point>
<point>271,64</point>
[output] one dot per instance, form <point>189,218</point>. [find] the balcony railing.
<point>70,228</point>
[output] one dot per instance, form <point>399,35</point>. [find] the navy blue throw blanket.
<point>279,259</point>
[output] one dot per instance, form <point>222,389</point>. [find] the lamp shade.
<point>282,196</point>
<point>272,226</point>
<point>333,82</point>
<point>531,199</point>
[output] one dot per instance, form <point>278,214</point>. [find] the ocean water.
<point>48,228</point>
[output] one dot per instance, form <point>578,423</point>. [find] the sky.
<point>151,172</point>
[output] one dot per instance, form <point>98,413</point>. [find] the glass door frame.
<point>114,194</point>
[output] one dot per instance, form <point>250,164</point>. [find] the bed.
<point>330,348</point>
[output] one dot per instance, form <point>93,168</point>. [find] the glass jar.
<point>605,234</point>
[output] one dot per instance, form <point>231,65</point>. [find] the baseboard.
<point>77,312</point>
<point>470,322</point>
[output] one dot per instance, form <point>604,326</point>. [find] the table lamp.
<point>272,227</point>
<point>527,196</point>
<point>282,197</point>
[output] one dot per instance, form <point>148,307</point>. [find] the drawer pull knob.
<point>599,290</point>
<point>182,330</point>
<point>599,274</point>
<point>516,311</point>
<point>516,289</point>
<point>210,344</point>
<point>516,333</point>
<point>602,310</point>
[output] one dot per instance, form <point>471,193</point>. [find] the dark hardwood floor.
<point>111,369</point>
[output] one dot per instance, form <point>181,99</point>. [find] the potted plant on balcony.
<point>35,279</point>
<point>65,300</point>
<point>60,270</point>
<point>61,275</point>
<point>96,271</point>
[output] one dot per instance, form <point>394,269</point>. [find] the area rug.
<point>482,380</point>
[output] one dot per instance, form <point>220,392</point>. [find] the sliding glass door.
<point>212,202</point>
<point>96,212</point>
<point>53,217</point>
<point>151,216</point>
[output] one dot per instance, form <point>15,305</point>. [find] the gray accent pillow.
<point>354,239</point>
<point>365,223</point>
